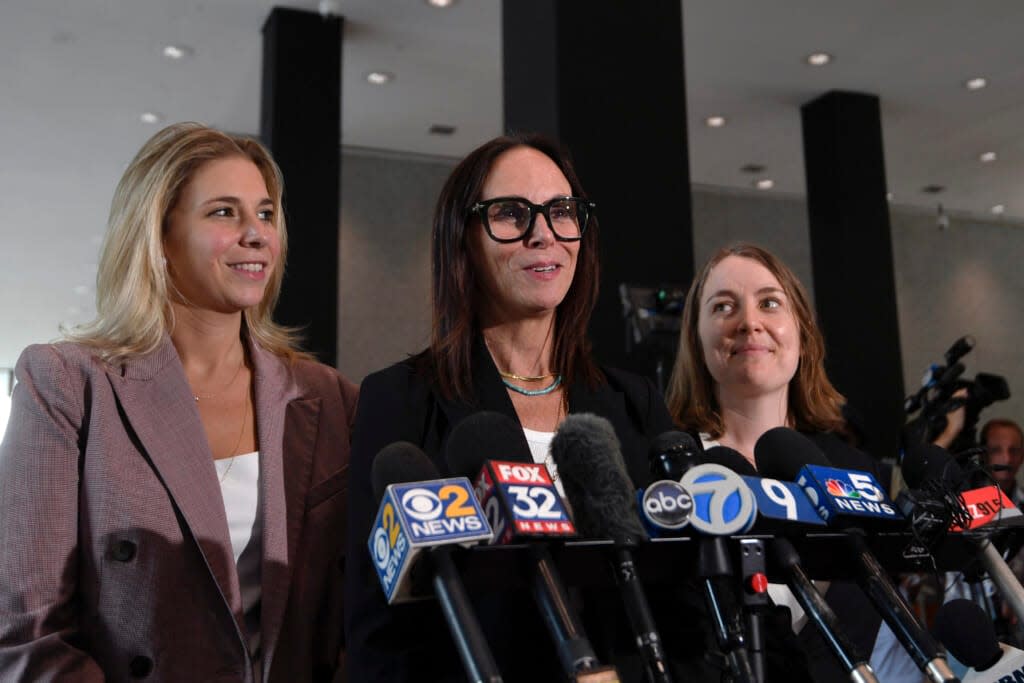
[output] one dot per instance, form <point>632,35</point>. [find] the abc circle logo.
<point>667,504</point>
<point>422,504</point>
<point>381,548</point>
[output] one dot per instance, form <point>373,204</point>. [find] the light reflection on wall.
<point>6,385</point>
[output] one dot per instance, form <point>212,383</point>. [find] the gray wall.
<point>387,202</point>
<point>963,280</point>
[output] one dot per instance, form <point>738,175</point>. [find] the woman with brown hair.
<point>172,476</point>
<point>514,280</point>
<point>751,358</point>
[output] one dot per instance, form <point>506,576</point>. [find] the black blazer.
<point>411,641</point>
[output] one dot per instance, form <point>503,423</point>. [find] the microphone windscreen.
<point>398,463</point>
<point>484,436</point>
<point>672,453</point>
<point>928,462</point>
<point>781,452</point>
<point>968,634</point>
<point>590,466</point>
<point>731,458</point>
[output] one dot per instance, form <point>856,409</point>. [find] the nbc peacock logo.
<point>837,488</point>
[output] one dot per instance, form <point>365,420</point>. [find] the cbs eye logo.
<point>422,504</point>
<point>385,537</point>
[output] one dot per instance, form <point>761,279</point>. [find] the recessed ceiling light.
<point>818,58</point>
<point>998,209</point>
<point>764,184</point>
<point>151,117</point>
<point>715,121</point>
<point>441,3</point>
<point>380,77</point>
<point>177,51</point>
<point>987,157</point>
<point>888,196</point>
<point>976,83</point>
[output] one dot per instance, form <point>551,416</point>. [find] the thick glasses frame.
<point>586,207</point>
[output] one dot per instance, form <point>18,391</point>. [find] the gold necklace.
<point>234,454</point>
<point>225,387</point>
<point>527,378</point>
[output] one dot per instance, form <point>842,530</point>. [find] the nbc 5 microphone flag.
<point>845,494</point>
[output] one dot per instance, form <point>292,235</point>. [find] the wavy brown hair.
<point>455,289</point>
<point>814,404</point>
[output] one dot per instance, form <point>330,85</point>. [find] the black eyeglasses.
<point>511,219</point>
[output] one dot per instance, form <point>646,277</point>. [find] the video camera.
<point>935,399</point>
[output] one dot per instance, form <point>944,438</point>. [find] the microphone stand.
<point>712,563</point>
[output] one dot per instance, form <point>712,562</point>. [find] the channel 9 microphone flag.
<point>420,515</point>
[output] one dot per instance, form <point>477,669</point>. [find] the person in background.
<point>1003,441</point>
<point>172,479</point>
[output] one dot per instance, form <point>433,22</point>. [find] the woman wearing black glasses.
<point>514,280</point>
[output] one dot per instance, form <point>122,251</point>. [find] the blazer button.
<point>140,666</point>
<point>124,551</point>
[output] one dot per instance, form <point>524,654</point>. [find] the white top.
<point>240,488</point>
<point>540,450</point>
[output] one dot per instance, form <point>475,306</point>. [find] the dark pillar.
<point>851,253</point>
<point>606,78</point>
<point>300,121</point>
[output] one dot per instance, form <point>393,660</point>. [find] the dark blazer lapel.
<point>157,403</point>
<point>490,394</point>
<point>282,511</point>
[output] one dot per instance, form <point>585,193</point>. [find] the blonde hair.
<point>814,404</point>
<point>133,310</point>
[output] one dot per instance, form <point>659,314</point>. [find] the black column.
<point>606,78</point>
<point>300,121</point>
<point>851,252</point>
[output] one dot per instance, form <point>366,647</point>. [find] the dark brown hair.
<point>455,285</point>
<point>1000,422</point>
<point>814,404</point>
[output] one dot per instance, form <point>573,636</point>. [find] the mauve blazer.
<point>115,557</point>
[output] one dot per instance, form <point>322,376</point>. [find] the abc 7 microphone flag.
<point>417,516</point>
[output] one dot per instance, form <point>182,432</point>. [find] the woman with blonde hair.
<point>172,477</point>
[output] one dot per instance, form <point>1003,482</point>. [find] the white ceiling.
<point>75,76</point>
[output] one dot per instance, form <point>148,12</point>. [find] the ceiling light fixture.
<point>998,209</point>
<point>818,58</point>
<point>177,51</point>
<point>715,121</point>
<point>764,184</point>
<point>987,157</point>
<point>888,196</point>
<point>975,83</point>
<point>150,117</point>
<point>441,3</point>
<point>379,77</point>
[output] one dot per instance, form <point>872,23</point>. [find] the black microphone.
<point>967,632</point>
<point>403,462</point>
<point>473,445</point>
<point>587,454</point>
<point>782,453</point>
<point>813,603</point>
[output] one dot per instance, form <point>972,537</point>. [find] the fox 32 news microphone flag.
<point>420,515</point>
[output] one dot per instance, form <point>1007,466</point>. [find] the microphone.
<point>783,508</point>
<point>522,504</point>
<point>721,504</point>
<point>587,454</point>
<point>985,506</point>
<point>785,454</point>
<point>420,513</point>
<point>968,634</point>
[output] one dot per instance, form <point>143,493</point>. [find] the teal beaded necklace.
<point>533,392</point>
